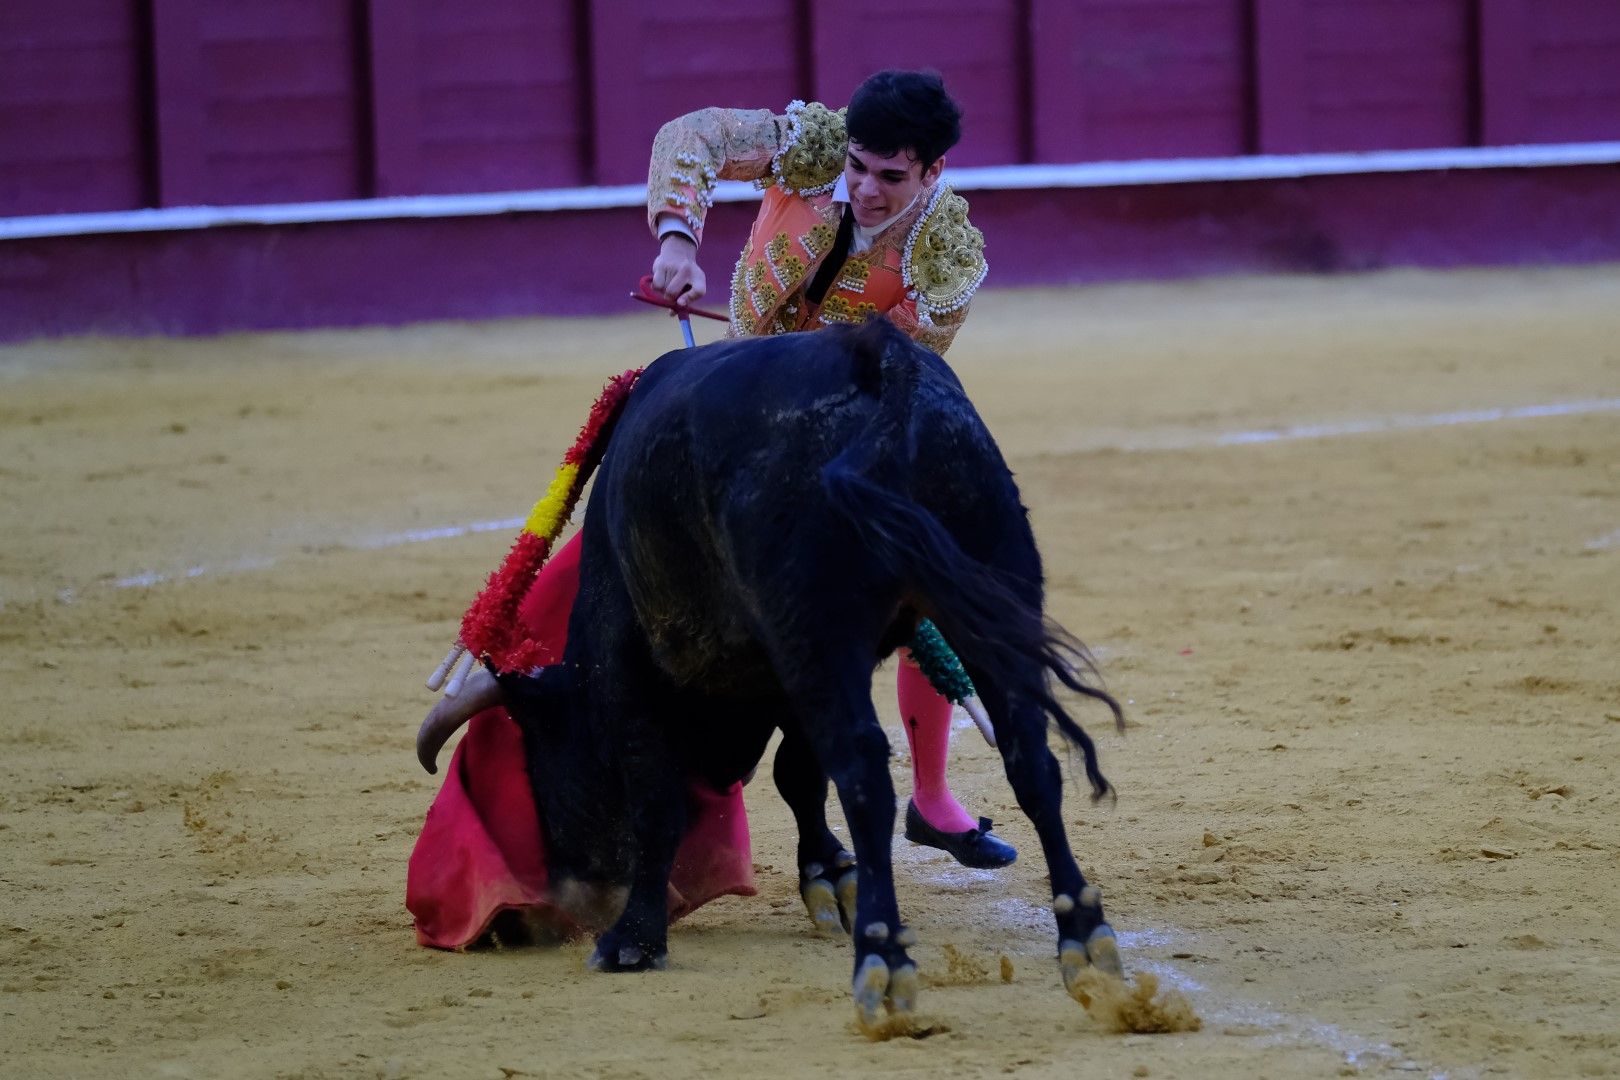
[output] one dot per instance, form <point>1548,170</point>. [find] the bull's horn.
<point>441,723</point>
<point>981,719</point>
<point>449,713</point>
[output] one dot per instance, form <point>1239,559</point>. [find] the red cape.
<point>480,851</point>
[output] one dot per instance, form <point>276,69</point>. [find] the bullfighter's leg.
<point>827,878</point>
<point>934,817</point>
<point>1084,936</point>
<point>834,703</point>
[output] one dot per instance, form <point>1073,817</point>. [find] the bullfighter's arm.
<point>800,150</point>
<point>693,151</point>
<point>939,332</point>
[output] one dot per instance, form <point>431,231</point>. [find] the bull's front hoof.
<point>1100,951</point>
<point>884,998</point>
<point>612,954</point>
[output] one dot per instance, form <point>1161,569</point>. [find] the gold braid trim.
<point>811,156</point>
<point>944,257</point>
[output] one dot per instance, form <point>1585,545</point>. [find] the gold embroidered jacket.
<point>921,271</point>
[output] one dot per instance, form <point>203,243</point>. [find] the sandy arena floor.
<point>1369,818</point>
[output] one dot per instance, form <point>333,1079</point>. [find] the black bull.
<point>771,519</point>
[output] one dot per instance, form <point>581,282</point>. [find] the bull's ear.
<point>541,696</point>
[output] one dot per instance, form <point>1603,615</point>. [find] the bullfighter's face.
<point>881,187</point>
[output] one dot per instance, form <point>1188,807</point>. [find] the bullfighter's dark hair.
<point>904,110</point>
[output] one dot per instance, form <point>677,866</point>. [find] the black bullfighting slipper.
<point>976,848</point>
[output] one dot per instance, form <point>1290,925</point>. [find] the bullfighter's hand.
<point>675,273</point>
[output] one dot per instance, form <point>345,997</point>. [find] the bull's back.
<point>711,497</point>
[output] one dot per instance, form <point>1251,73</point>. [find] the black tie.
<point>834,262</point>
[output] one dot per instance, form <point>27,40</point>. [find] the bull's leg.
<point>638,941</point>
<point>834,704</point>
<point>633,714</point>
<point>1084,936</point>
<point>827,879</point>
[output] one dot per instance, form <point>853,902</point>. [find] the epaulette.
<point>944,256</point>
<point>811,157</point>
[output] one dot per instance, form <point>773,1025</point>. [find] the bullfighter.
<point>855,221</point>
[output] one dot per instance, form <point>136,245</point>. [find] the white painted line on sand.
<point>368,543</point>
<point>1272,1026</point>
<point>1605,542</point>
<point>1168,442</point>
<point>1366,426</point>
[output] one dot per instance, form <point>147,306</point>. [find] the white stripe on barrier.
<point>985,178</point>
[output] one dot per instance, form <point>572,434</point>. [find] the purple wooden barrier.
<point>393,60</point>
<point>256,102</point>
<point>1151,79</point>
<point>487,267</point>
<point>652,61</point>
<point>978,45</point>
<point>114,104</point>
<point>1504,72</point>
<point>70,107</point>
<point>1282,115</point>
<point>1573,85</point>
<point>484,97</point>
<point>1362,74</point>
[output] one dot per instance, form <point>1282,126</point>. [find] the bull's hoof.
<point>846,897</point>
<point>821,902</point>
<point>1099,951</point>
<point>612,954</point>
<point>829,894</point>
<point>884,998</point>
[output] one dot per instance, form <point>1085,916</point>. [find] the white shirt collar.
<point>862,238</point>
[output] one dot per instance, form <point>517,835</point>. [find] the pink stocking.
<point>927,719</point>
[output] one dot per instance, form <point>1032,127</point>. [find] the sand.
<point>1367,818</point>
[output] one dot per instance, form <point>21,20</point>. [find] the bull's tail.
<point>995,623</point>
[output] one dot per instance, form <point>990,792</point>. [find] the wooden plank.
<point>1159,78</point>
<point>1504,72</point>
<point>1280,95</point>
<point>503,94</point>
<point>392,43</point>
<point>1057,86</point>
<point>178,109</point>
<point>651,63</point>
<point>975,44</point>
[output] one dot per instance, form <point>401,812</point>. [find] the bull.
<point>772,518</point>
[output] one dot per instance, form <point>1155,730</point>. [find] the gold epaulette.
<point>812,154</point>
<point>944,256</point>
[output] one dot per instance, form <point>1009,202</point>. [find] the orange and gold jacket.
<point>921,271</point>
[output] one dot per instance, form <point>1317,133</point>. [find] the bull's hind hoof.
<point>1099,951</point>
<point>831,906</point>
<point>821,902</point>
<point>614,956</point>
